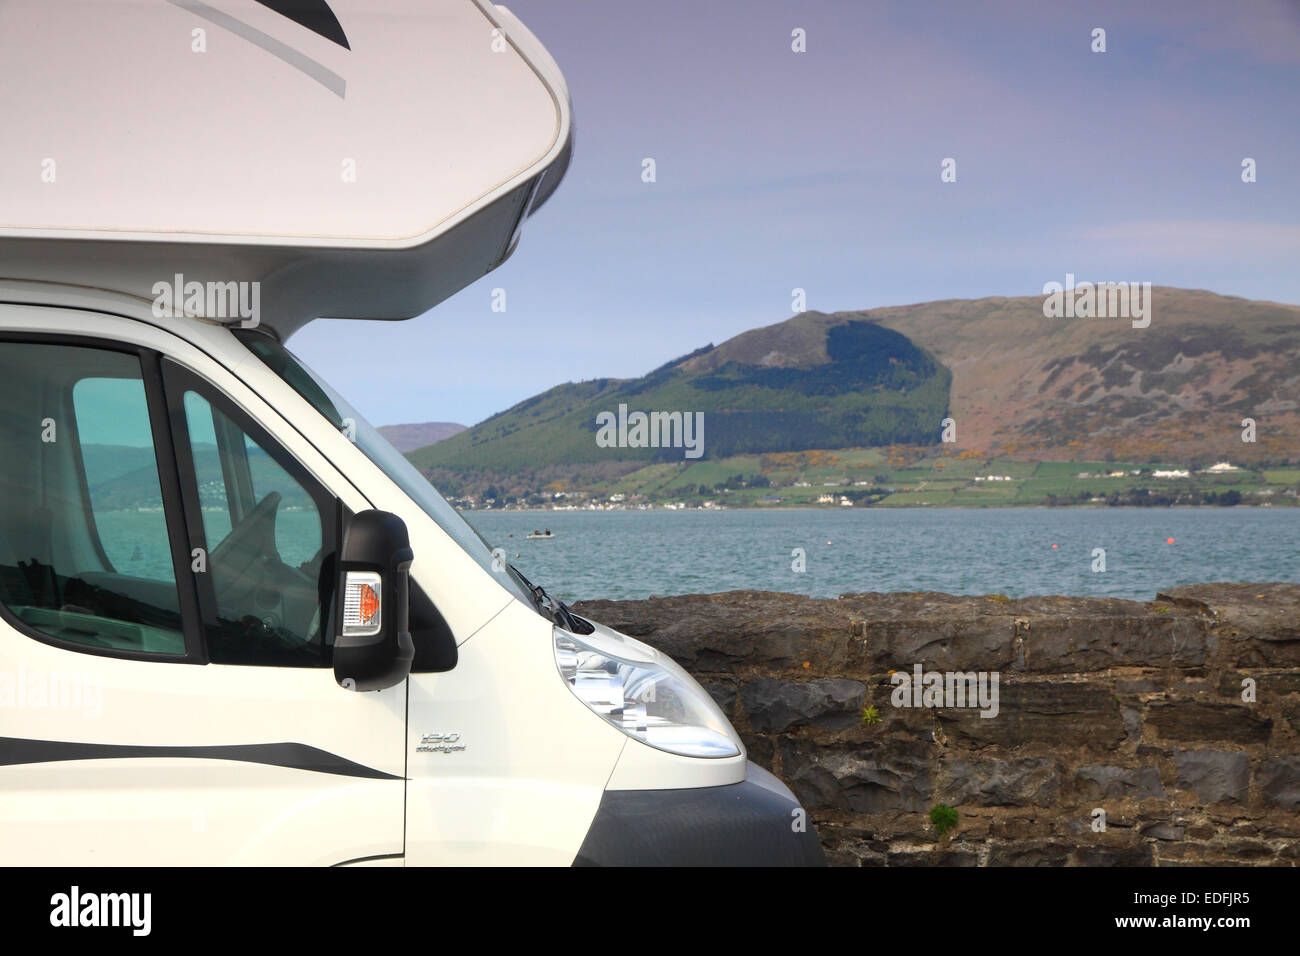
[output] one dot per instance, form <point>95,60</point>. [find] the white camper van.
<point>237,626</point>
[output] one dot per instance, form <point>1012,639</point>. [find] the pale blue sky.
<point>821,170</point>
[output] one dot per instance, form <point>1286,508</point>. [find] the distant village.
<point>842,493</point>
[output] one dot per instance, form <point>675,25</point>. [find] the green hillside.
<point>1210,378</point>
<point>861,384</point>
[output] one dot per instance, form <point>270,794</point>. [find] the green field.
<point>867,478</point>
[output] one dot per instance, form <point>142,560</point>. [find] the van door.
<point>166,591</point>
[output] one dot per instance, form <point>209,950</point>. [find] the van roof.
<point>356,159</point>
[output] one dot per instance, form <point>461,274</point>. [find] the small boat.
<point>540,535</point>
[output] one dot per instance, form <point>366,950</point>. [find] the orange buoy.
<point>1169,541</point>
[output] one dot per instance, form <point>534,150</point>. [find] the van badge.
<point>439,743</point>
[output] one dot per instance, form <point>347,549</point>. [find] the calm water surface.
<point>633,554</point>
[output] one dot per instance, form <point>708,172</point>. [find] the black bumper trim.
<point>757,822</point>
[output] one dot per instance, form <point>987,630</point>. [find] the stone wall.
<point>1134,709</point>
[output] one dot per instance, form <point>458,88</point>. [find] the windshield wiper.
<point>557,611</point>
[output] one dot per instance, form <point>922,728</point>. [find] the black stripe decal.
<point>367,859</point>
<point>282,51</point>
<point>18,750</point>
<point>315,15</point>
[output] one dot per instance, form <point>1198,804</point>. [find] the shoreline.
<point>835,509</point>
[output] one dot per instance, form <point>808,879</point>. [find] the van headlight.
<point>645,694</point>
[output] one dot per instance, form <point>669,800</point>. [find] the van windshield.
<point>317,393</point>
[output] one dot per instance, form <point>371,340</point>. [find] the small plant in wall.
<point>870,715</point>
<point>943,817</point>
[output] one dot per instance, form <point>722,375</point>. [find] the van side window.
<point>268,532</point>
<point>122,477</point>
<point>85,556</point>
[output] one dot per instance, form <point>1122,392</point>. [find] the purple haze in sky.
<point>821,170</point>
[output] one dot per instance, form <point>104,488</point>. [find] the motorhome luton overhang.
<point>350,168</point>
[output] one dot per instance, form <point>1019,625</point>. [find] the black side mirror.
<point>374,649</point>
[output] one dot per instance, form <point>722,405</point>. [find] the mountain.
<point>807,383</point>
<point>1092,389</point>
<point>407,438</point>
<point>1016,383</point>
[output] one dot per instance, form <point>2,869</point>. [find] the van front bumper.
<point>757,822</point>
